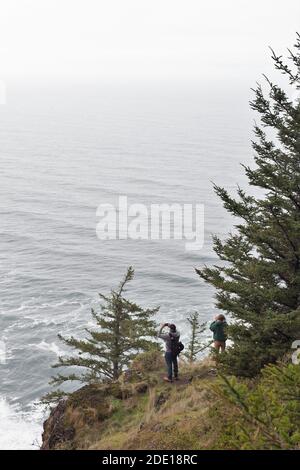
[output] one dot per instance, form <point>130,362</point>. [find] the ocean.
<point>66,148</point>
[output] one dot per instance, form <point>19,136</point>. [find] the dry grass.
<point>147,414</point>
<point>173,416</point>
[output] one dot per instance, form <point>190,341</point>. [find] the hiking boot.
<point>176,378</point>
<point>166,379</point>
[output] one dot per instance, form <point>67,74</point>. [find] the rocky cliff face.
<point>55,432</point>
<point>87,408</point>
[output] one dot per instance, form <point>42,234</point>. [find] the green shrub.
<point>150,361</point>
<point>266,413</point>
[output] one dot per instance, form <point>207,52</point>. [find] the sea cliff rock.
<point>84,409</point>
<point>55,431</point>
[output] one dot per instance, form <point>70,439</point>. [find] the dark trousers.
<point>172,365</point>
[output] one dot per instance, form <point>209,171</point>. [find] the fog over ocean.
<point>65,149</point>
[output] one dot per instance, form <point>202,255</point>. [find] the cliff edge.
<point>140,411</point>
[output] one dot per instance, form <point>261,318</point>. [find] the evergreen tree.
<point>259,283</point>
<point>263,414</point>
<point>125,329</point>
<point>195,345</point>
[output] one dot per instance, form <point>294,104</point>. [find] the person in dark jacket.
<point>218,327</point>
<point>171,359</point>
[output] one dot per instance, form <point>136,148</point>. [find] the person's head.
<point>221,317</point>
<point>172,327</point>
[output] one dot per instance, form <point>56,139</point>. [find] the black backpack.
<point>176,346</point>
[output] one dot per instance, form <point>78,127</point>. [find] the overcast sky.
<point>153,39</point>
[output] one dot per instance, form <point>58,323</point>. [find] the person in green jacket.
<point>218,327</point>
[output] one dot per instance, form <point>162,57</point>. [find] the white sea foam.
<point>21,430</point>
<point>41,346</point>
<point>50,347</point>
